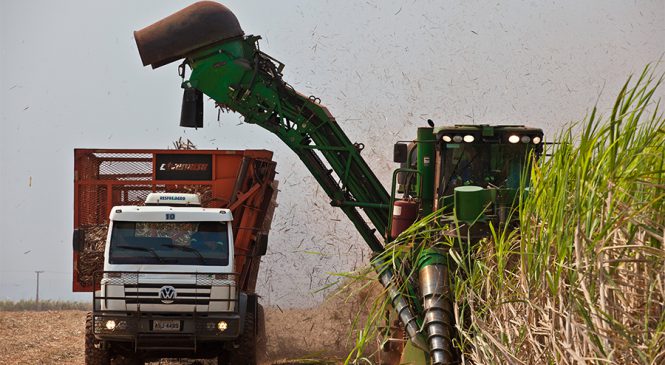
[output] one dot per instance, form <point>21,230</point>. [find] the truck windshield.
<point>171,243</point>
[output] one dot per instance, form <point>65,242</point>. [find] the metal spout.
<point>191,114</point>
<point>193,28</point>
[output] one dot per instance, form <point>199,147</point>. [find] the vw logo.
<point>167,294</point>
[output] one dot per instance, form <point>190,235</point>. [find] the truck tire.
<point>245,354</point>
<point>125,360</point>
<point>261,338</point>
<point>94,355</point>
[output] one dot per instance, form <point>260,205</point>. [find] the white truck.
<point>175,274</point>
<point>169,286</point>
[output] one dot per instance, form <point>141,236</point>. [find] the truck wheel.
<point>223,359</point>
<point>245,354</point>
<point>261,338</point>
<point>94,355</point>
<point>125,360</point>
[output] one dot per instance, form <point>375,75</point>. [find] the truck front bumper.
<point>141,327</point>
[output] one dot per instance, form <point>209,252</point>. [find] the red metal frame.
<point>104,178</point>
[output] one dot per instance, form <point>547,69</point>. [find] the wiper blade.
<point>187,249</point>
<point>144,249</point>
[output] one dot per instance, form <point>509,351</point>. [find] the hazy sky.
<point>71,77</point>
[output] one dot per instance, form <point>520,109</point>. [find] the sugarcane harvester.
<point>471,172</point>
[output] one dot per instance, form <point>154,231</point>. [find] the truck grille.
<point>189,294</point>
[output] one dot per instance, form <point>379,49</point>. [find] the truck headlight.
<point>222,326</point>
<point>110,325</point>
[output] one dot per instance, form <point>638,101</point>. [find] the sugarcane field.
<point>328,183</point>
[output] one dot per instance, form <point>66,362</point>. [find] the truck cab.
<point>168,287</point>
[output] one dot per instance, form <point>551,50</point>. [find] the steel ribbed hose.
<point>439,320</point>
<point>401,305</point>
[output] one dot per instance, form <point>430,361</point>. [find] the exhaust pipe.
<point>401,305</point>
<point>200,25</point>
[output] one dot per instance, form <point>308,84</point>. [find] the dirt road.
<point>56,337</point>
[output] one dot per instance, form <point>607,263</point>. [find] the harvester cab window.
<point>485,165</point>
<point>173,243</point>
<point>507,165</point>
<point>463,165</point>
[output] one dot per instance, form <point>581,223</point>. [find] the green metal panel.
<point>431,256</point>
<point>413,355</point>
<point>488,131</point>
<point>426,165</point>
<point>470,203</point>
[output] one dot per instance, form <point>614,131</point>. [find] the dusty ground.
<point>56,337</point>
<point>41,337</point>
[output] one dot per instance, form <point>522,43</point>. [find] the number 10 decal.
<point>170,216</point>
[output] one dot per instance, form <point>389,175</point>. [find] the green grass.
<point>584,279</point>
<point>589,279</point>
<point>44,305</point>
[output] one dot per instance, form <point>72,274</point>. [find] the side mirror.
<point>262,245</point>
<point>191,114</point>
<point>400,152</point>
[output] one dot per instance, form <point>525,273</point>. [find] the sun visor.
<point>197,26</point>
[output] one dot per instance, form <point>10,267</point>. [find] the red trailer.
<point>240,180</point>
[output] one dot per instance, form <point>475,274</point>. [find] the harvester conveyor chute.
<point>233,71</point>
<point>230,68</point>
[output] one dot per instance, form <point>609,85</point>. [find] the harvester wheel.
<point>94,355</point>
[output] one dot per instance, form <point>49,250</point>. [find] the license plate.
<point>166,325</point>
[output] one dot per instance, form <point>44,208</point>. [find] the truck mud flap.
<point>242,309</point>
